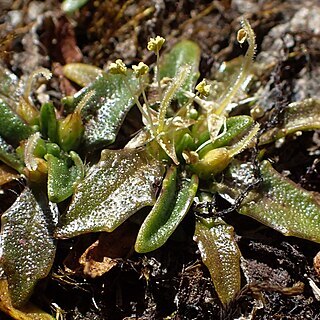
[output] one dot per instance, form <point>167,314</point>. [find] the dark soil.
<point>172,282</point>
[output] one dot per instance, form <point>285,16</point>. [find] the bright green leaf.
<point>62,178</point>
<point>48,122</point>
<point>27,244</point>
<point>121,183</point>
<point>12,128</point>
<point>220,253</point>
<point>167,213</point>
<point>235,129</point>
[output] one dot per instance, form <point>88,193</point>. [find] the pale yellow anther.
<point>242,36</point>
<point>155,44</point>
<point>118,67</point>
<point>203,88</point>
<point>140,70</point>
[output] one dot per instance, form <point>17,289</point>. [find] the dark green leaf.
<point>106,109</point>
<point>220,253</point>
<point>183,53</point>
<point>9,156</point>
<point>10,86</point>
<point>27,312</point>
<point>167,213</point>
<point>70,6</point>
<point>279,203</point>
<point>27,244</point>
<point>12,128</point>
<point>62,178</point>
<point>48,122</point>
<point>119,185</point>
<point>236,127</point>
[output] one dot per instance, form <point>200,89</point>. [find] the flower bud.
<point>155,44</point>
<point>215,161</point>
<point>118,67</point>
<point>140,70</point>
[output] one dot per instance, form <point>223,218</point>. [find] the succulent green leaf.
<point>70,131</point>
<point>10,85</point>
<point>9,156</point>
<point>298,116</point>
<point>48,122</point>
<point>184,142</point>
<point>105,111</point>
<point>62,179</point>
<point>183,53</point>
<point>167,213</point>
<point>121,183</point>
<point>12,128</point>
<point>81,73</point>
<point>27,244</point>
<point>284,206</point>
<point>221,255</point>
<point>236,127</point>
<point>279,203</point>
<point>70,6</point>
<point>27,312</point>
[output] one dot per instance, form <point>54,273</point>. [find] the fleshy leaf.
<point>48,122</point>
<point>12,128</point>
<point>27,244</point>
<point>167,213</point>
<point>105,111</point>
<point>70,6</point>
<point>235,129</point>
<point>279,203</point>
<point>302,115</point>
<point>27,312</point>
<point>81,73</point>
<point>9,156</point>
<point>10,85</point>
<point>183,53</point>
<point>61,178</point>
<point>120,184</point>
<point>220,253</point>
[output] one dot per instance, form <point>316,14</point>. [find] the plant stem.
<point>144,114</point>
<point>247,61</point>
<point>147,106</point>
<point>158,76</point>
